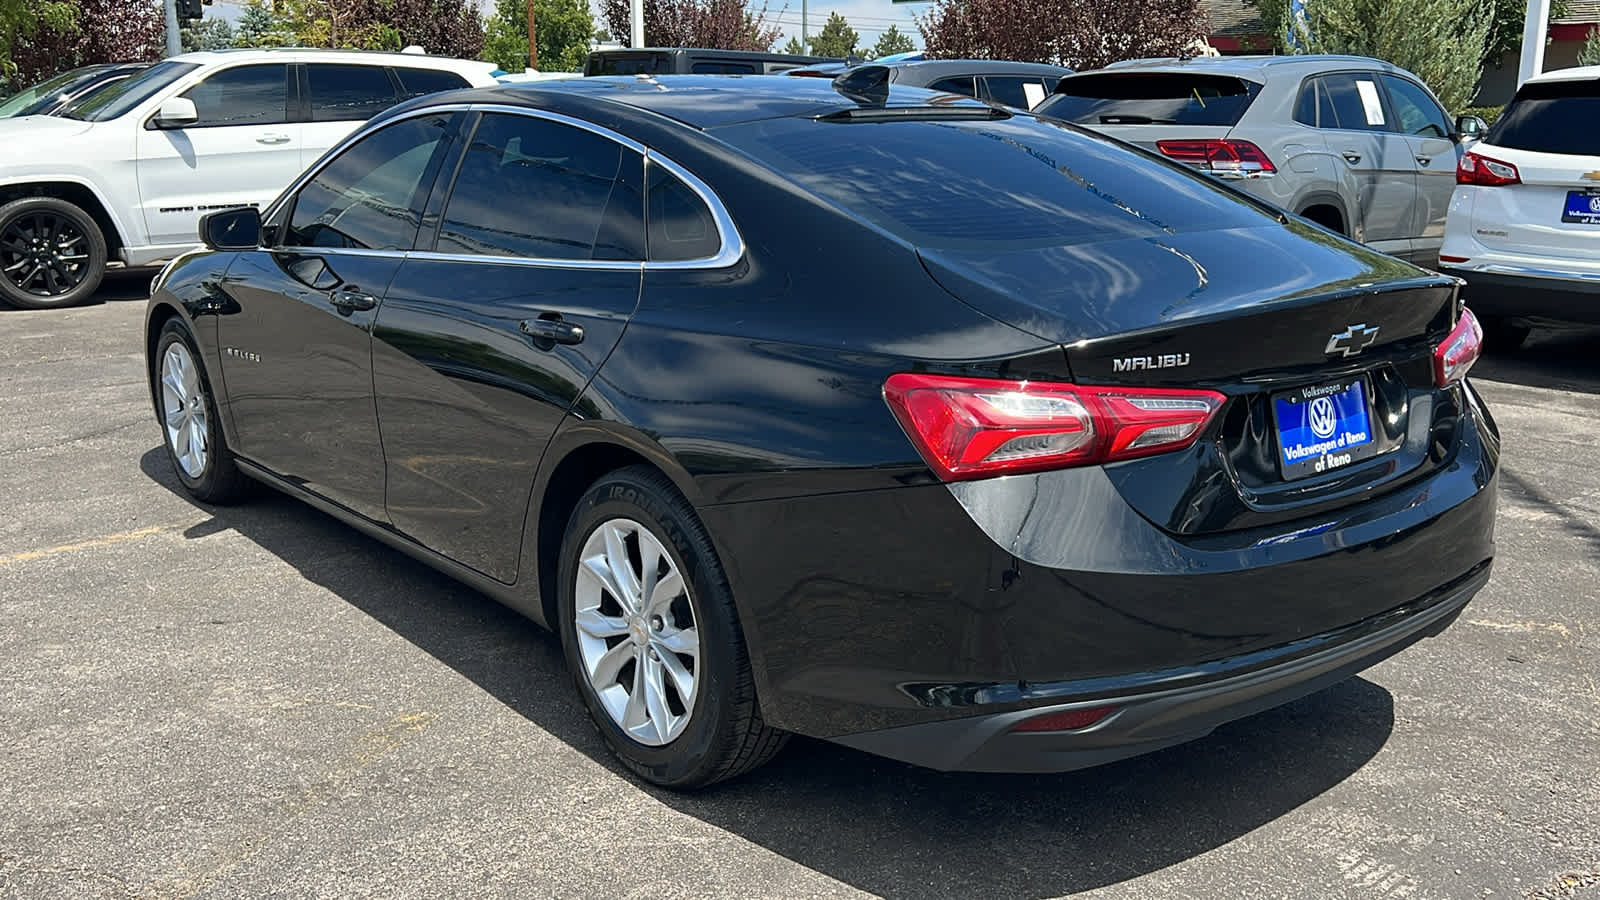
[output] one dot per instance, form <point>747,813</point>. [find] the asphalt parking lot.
<point>258,701</point>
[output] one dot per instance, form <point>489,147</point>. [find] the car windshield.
<point>1552,117</point>
<point>1150,98</point>
<point>1015,183</point>
<point>23,102</point>
<point>124,95</point>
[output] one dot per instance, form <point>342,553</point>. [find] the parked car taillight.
<point>1219,155</point>
<point>1473,168</point>
<point>977,427</point>
<point>1457,353</point>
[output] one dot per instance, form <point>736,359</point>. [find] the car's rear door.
<point>1426,128</point>
<point>338,98</point>
<point>484,343</point>
<point>1380,160</point>
<point>297,355</point>
<point>242,151</point>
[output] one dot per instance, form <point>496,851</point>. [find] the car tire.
<point>1503,335</point>
<point>187,412</point>
<point>622,658</point>
<point>52,253</point>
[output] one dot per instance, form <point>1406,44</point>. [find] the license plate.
<point>1323,428</point>
<point>1583,207</point>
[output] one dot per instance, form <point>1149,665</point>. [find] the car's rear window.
<point>1150,98</point>
<point>1551,117</point>
<point>628,64</point>
<point>962,184</point>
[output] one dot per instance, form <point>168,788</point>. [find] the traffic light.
<point>190,10</point>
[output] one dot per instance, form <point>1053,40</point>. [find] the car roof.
<point>1577,73</point>
<point>702,101</point>
<point>312,54</point>
<point>1255,68</point>
<point>935,68</point>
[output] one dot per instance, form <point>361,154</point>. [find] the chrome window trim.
<point>731,248</point>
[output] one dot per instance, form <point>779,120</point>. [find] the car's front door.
<point>296,349</point>
<point>485,343</point>
<point>1378,160</point>
<point>1427,132</point>
<point>242,151</point>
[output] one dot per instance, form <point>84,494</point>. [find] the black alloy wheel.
<point>51,253</point>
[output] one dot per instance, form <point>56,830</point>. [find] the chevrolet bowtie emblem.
<point>1352,340</point>
<point>1590,176</point>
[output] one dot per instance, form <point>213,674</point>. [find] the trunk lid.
<point>1530,217</point>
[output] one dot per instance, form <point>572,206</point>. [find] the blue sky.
<point>870,18</point>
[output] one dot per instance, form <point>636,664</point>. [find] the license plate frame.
<point>1583,207</point>
<point>1312,452</point>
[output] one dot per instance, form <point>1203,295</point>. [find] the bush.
<point>1486,113</point>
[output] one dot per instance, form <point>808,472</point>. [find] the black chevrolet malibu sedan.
<point>794,406</point>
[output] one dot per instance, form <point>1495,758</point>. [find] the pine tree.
<point>1590,54</point>
<point>259,27</point>
<point>836,38</point>
<point>794,47</point>
<point>206,34</point>
<point>892,41</point>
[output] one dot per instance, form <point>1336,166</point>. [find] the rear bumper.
<point>1155,719</point>
<point>1506,291</point>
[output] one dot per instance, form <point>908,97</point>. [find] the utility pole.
<point>174,43</point>
<point>1534,29</point>
<point>636,23</point>
<point>533,39</point>
<point>805,39</point>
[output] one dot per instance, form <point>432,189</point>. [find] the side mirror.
<point>232,229</point>
<point>176,112</point>
<point>1470,128</point>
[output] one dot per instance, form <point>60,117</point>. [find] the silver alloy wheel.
<point>636,631</point>
<point>183,409</point>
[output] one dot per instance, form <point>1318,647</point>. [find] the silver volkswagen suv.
<point>1354,144</point>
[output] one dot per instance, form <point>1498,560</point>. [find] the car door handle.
<point>552,330</point>
<point>273,139</point>
<point>1352,157</point>
<point>347,301</point>
<point>1424,160</point>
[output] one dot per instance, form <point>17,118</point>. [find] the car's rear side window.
<point>342,93</point>
<point>1150,98</point>
<point>986,184</point>
<point>416,82</point>
<point>1020,91</point>
<point>532,188</point>
<point>965,85</point>
<point>1551,117</point>
<point>681,225</point>
<point>1347,100</point>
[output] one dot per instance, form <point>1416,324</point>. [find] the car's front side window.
<point>348,93</point>
<point>244,95</point>
<point>533,188</point>
<point>1414,110</point>
<point>371,196</point>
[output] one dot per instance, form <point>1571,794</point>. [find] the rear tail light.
<point>1453,259</point>
<point>1223,157</point>
<point>1460,350</point>
<point>978,427</point>
<point>1485,172</point>
<point>1067,720</point>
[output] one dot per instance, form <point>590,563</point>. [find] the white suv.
<point>1524,222</point>
<point>127,172</point>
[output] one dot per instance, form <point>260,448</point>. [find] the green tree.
<point>565,27</point>
<point>260,27</point>
<point>892,41</point>
<point>1590,54</point>
<point>207,34</point>
<point>1505,30</point>
<point>794,47</point>
<point>21,19</point>
<point>1441,41</point>
<point>836,38</point>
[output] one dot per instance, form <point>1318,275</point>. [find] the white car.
<point>127,172</point>
<point>1524,222</point>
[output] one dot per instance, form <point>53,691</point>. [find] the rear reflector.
<point>1069,720</point>
<point>1460,350</point>
<point>1453,259</point>
<point>1224,157</point>
<point>967,428</point>
<point>1485,172</point>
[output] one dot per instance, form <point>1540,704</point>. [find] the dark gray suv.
<point>1354,144</point>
